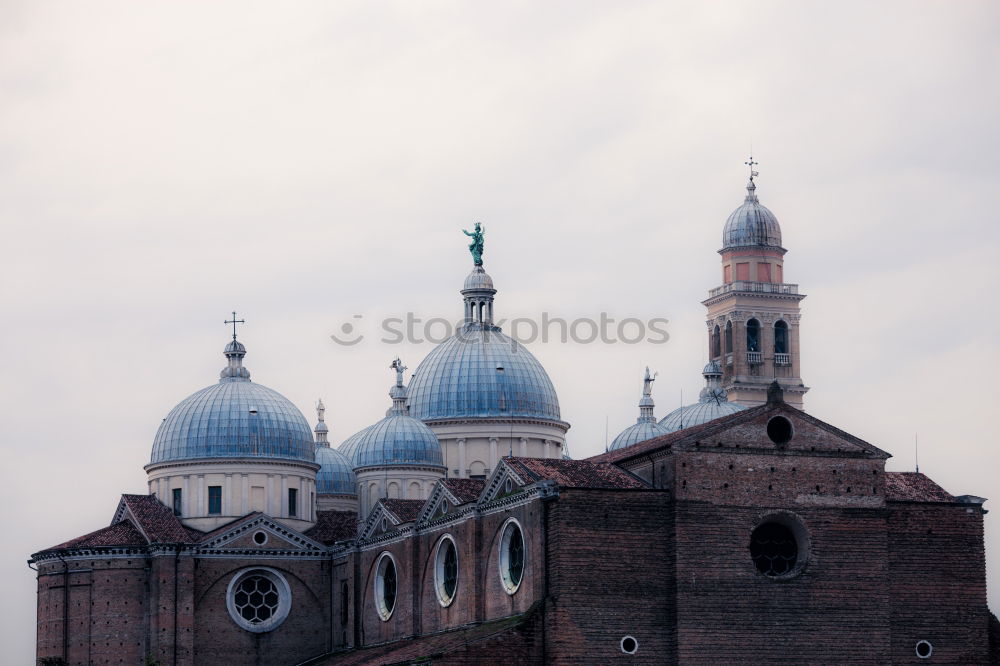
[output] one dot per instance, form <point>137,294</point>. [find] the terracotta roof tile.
<point>465,490</point>
<point>576,473</point>
<point>913,487</point>
<point>158,521</point>
<point>122,533</point>
<point>332,526</point>
<point>405,509</point>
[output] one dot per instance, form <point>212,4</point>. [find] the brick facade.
<point>650,542</point>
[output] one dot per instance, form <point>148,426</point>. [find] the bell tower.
<point>753,317</point>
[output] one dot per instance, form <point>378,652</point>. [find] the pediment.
<point>778,428</point>
<point>503,482</point>
<point>258,533</point>
<point>380,520</point>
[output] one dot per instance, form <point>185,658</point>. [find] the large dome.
<point>460,379</point>
<point>751,224</point>
<point>234,419</point>
<point>335,476</point>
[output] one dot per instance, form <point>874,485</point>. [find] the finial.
<point>321,430</point>
<point>234,321</point>
<point>476,246</point>
<point>775,393</point>
<point>646,404</point>
<point>398,392</point>
<point>398,366</point>
<point>647,382</point>
<point>750,163</point>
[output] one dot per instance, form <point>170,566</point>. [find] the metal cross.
<point>234,321</point>
<point>751,164</point>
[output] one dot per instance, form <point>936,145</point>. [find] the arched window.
<point>753,336</point>
<point>729,337</point>
<point>716,343</point>
<point>780,337</point>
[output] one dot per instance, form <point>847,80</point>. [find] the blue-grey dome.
<point>751,224</point>
<point>397,439</point>
<point>698,413</point>
<point>459,379</point>
<point>638,432</point>
<point>335,476</point>
<point>234,419</point>
<point>478,280</point>
<point>349,445</point>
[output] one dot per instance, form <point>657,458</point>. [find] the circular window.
<point>446,570</point>
<point>778,546</point>
<point>511,556</point>
<point>385,585</point>
<point>260,538</point>
<point>779,429</point>
<point>629,645</point>
<point>924,649</point>
<point>258,599</point>
<point>508,486</point>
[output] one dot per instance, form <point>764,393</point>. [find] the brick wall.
<point>937,582</point>
<point>610,558</point>
<point>104,621</point>
<point>304,634</point>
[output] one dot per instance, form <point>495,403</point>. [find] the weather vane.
<point>751,164</point>
<point>234,321</point>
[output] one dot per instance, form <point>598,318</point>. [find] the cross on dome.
<point>234,321</point>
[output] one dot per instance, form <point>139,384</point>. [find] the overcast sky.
<point>163,163</point>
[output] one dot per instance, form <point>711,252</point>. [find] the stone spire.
<point>646,404</point>
<point>321,430</point>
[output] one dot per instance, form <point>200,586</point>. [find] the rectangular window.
<point>743,272</point>
<point>727,273</point>
<point>763,272</point>
<point>293,501</point>
<point>781,278</point>
<point>215,499</point>
<point>177,501</point>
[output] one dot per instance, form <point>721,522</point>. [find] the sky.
<point>312,164</point>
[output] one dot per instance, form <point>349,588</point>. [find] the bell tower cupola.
<point>753,317</point>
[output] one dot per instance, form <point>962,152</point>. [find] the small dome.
<point>478,280</point>
<point>349,445</point>
<point>712,368</point>
<point>335,476</point>
<point>397,439</point>
<point>459,379</point>
<point>751,224</point>
<point>638,432</point>
<point>698,413</point>
<point>234,419</point>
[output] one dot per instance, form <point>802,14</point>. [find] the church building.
<point>457,530</point>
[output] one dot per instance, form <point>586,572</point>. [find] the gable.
<point>504,481</point>
<point>782,428</point>
<point>380,521</point>
<point>748,430</point>
<point>257,533</point>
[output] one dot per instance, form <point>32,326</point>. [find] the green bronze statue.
<point>476,246</point>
